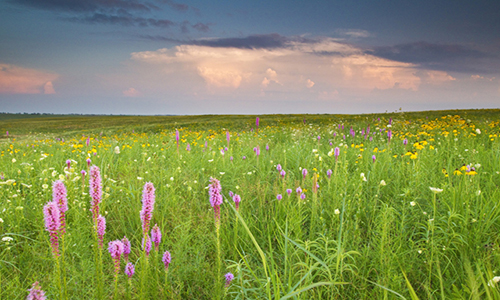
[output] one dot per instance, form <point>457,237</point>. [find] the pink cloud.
<point>131,92</point>
<point>17,80</point>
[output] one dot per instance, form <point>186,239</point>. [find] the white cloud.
<point>48,88</point>
<point>309,83</point>
<point>439,77</point>
<point>220,77</point>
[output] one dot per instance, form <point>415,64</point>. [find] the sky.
<point>248,57</point>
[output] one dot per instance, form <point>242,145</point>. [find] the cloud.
<point>88,5</point>
<point>439,77</point>
<point>18,80</point>
<point>124,20</point>
<point>441,57</point>
<point>247,67</point>
<point>309,83</point>
<point>256,41</point>
<point>353,33</point>
<point>131,92</point>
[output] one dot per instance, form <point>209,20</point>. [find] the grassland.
<point>373,229</point>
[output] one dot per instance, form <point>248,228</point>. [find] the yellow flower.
<point>457,172</point>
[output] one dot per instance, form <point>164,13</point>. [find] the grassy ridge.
<point>373,230</point>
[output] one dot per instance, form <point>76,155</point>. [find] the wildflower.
<point>188,147</point>
<point>166,259</point>
<point>282,173</point>
<point>126,248</point>
<point>231,194</point>
<point>337,211</point>
<point>35,293</point>
<point>478,192</point>
<point>478,131</point>
<point>267,147</point>
<point>257,123</point>
<point>494,280</point>
<point>237,200</point>
<point>95,190</point>
<point>101,229</point>
<point>304,173</point>
<point>329,173</point>
<point>146,244</point>
<point>228,137</point>
<point>229,277</point>
<point>14,160</point>
<point>374,157</point>
<point>68,162</point>
<point>303,196</point>
<point>59,196</point>
<point>115,248</point>
<point>278,167</point>
<point>52,224</point>
<point>279,197</point>
<point>88,162</point>
<point>117,150</point>
<point>336,153</point>
<point>177,138</point>
<point>412,203</point>
<point>389,135</point>
<point>435,190</point>
<point>148,202</point>
<point>214,190</point>
<point>405,141</point>
<point>382,183</point>
<point>129,270</point>
<point>289,192</point>
<point>156,236</point>
<point>244,157</point>
<point>298,190</point>
<point>362,175</point>
<point>7,239</point>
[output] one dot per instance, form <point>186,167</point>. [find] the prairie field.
<point>376,206</point>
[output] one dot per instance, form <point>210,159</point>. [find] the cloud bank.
<point>18,80</point>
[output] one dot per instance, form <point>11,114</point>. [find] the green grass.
<point>353,239</point>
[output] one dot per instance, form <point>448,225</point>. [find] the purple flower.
<point>68,162</point>
<point>282,173</point>
<point>83,172</point>
<point>228,137</point>
<point>148,202</point>
<point>244,157</point>
<point>222,152</point>
<point>89,161</point>
<point>52,224</point>
<point>257,151</point>
<point>336,153</point>
<point>177,137</point>
<point>278,167</point>
<point>7,133</point>
<point>115,248</point>
<point>129,270</point>
<point>229,277</point>
<point>267,147</point>
<point>156,236</point>
<point>389,134</point>
<point>304,173</point>
<point>257,123</point>
<point>319,138</point>
<point>36,292</point>
<point>405,142</point>
<point>126,248</point>
<point>146,244</point>
<point>166,259</point>
<point>231,194</point>
<point>390,121</point>
<point>303,196</point>
<point>88,141</point>
<point>289,192</point>
<point>231,158</point>
<point>59,196</point>
<point>214,191</point>
<point>237,200</point>
<point>298,190</point>
<point>329,173</point>
<point>279,197</point>
<point>374,157</point>
<point>331,144</point>
<point>101,229</point>
<point>95,190</point>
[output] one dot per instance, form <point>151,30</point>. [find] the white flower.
<point>478,131</point>
<point>8,182</point>
<point>412,203</point>
<point>61,177</point>
<point>1,220</point>
<point>149,158</point>
<point>478,192</point>
<point>477,166</point>
<point>26,185</point>
<point>337,211</point>
<point>494,280</point>
<point>362,175</point>
<point>330,153</point>
<point>45,186</point>
<point>171,178</point>
<point>117,150</point>
<point>54,173</point>
<point>19,208</point>
<point>382,183</point>
<point>210,160</point>
<point>249,173</point>
<point>139,178</point>
<point>13,160</point>
<point>7,239</point>
<point>315,150</point>
<point>419,251</point>
<point>436,190</point>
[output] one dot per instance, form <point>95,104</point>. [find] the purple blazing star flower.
<point>68,162</point>
<point>289,192</point>
<point>278,167</point>
<point>329,173</point>
<point>267,147</point>
<point>36,292</point>
<point>228,137</point>
<point>95,190</point>
<point>389,134</point>
<point>303,196</point>
<point>229,277</point>
<point>374,157</point>
<point>244,157</point>
<point>231,194</point>
<point>126,248</point>
<point>304,173</point>
<point>237,200</point>
<point>115,248</point>
<point>257,123</point>
<point>405,141</point>
<point>52,224</point>
<point>319,138</point>
<point>166,259</point>
<point>59,196</point>
<point>214,191</point>
<point>156,236</point>
<point>101,229</point>
<point>129,270</point>
<point>298,190</point>
<point>282,173</point>
<point>231,158</point>
<point>279,197</point>
<point>148,202</point>
<point>188,147</point>
<point>146,244</point>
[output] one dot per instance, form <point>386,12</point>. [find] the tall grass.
<point>374,230</point>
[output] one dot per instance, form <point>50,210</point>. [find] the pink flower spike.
<point>36,292</point>
<point>156,236</point>
<point>166,259</point>
<point>148,202</point>
<point>95,190</point>
<point>100,229</point>
<point>304,173</point>
<point>89,161</point>
<point>214,191</point>
<point>52,224</point>
<point>129,270</point>
<point>115,248</point>
<point>68,162</point>
<point>59,196</point>
<point>229,277</point>
<point>237,200</point>
<point>126,248</point>
<point>146,244</point>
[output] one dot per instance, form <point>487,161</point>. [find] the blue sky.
<point>255,57</point>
